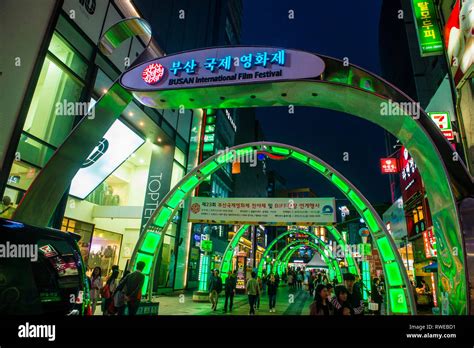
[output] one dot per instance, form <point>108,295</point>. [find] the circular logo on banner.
<point>195,208</point>
<point>153,73</point>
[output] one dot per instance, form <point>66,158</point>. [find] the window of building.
<point>104,250</point>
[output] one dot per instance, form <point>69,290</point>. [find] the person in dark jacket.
<point>272,287</point>
<point>215,287</point>
<point>321,304</point>
<point>376,294</point>
<point>229,287</point>
<point>131,286</point>
<point>354,297</point>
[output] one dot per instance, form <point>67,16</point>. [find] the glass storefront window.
<point>180,157</point>
<point>104,250</point>
<point>165,276</point>
<point>65,53</point>
<point>33,151</point>
<point>177,175</point>
<point>83,229</point>
<point>54,87</point>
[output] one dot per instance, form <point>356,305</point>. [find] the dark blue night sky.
<point>344,28</point>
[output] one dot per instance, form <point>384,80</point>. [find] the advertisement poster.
<point>263,211</point>
<point>459,40</point>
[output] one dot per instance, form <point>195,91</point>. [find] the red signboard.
<point>410,179</point>
<point>389,165</point>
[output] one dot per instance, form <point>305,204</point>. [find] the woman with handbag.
<point>108,290</point>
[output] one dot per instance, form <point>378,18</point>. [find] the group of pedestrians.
<point>295,278</point>
<point>347,298</point>
<point>119,297</point>
<point>257,286</point>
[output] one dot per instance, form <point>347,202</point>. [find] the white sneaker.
<point>271,310</point>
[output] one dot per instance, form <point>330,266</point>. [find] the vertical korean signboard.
<point>429,36</point>
<point>159,179</point>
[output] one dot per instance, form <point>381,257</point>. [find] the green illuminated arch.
<point>332,264</point>
<point>226,264</point>
<point>340,241</point>
<point>399,292</point>
<point>325,254</point>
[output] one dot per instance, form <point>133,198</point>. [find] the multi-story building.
<point>423,52</point>
<point>58,64</point>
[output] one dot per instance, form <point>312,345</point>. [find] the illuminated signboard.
<point>410,178</point>
<point>220,66</point>
<point>389,165</point>
<point>443,122</point>
<point>429,240</point>
<point>206,245</point>
<point>117,145</point>
<point>429,36</point>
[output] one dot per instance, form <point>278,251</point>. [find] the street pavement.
<point>288,303</point>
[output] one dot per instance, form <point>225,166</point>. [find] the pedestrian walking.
<point>131,288</point>
<point>215,287</point>
<point>96,285</point>
<point>252,292</point>
<point>272,288</point>
<point>229,288</point>
<point>108,290</point>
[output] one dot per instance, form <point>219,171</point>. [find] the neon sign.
<point>389,165</point>
<point>429,36</point>
<point>221,66</point>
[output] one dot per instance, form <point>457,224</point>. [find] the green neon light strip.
<point>189,184</point>
<point>398,303</point>
<point>371,221</point>
<point>150,243</point>
<point>209,168</point>
<point>280,150</point>
<point>385,249</point>
<point>299,156</point>
<point>355,199</point>
<point>148,259</point>
<point>393,274</point>
<point>319,167</point>
<point>339,183</point>
<point>163,218</point>
<point>176,199</point>
<point>145,284</point>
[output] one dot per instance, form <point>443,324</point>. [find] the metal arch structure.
<point>325,253</point>
<point>226,264</point>
<point>340,87</point>
<point>269,248</point>
<point>277,266</point>
<point>332,264</point>
<point>150,241</point>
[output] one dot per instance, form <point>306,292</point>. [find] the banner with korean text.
<point>263,211</point>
